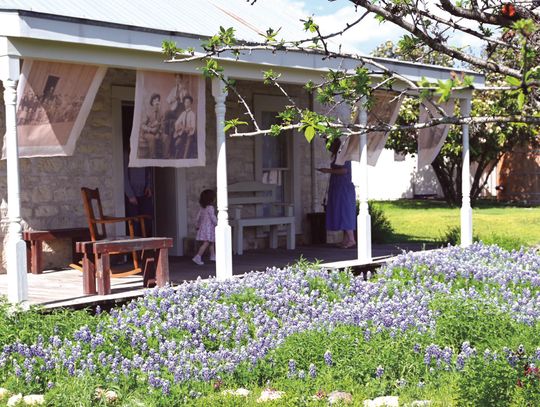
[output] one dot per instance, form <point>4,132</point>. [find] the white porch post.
<point>466,210</point>
<point>364,219</point>
<point>15,248</point>
<point>223,229</point>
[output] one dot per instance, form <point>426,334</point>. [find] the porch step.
<point>358,267</point>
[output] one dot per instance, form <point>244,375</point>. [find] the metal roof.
<point>142,25</point>
<point>194,17</point>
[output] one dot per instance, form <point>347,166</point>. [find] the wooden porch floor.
<point>63,288</point>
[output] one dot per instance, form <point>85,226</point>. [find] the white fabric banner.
<point>168,121</point>
<point>385,109</point>
<point>53,103</point>
<point>431,139</point>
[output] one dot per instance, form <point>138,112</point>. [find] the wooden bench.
<point>97,265</point>
<point>34,244</point>
<point>260,195</point>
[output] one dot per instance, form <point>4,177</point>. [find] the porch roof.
<point>129,34</point>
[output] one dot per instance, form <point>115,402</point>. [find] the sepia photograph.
<point>53,103</point>
<point>168,122</point>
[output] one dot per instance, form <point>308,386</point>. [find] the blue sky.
<point>332,15</point>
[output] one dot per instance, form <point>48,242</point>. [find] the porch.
<point>64,288</point>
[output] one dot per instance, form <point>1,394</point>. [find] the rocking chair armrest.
<point>109,220</point>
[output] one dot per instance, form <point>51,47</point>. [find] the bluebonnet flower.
<point>292,367</point>
<point>379,372</point>
<point>328,358</point>
<point>312,371</point>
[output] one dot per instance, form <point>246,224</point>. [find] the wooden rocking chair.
<point>97,223</point>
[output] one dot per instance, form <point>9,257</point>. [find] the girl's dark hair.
<point>208,196</point>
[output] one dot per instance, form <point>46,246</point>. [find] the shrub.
<point>487,382</point>
<point>452,237</point>
<point>381,228</point>
<point>506,242</point>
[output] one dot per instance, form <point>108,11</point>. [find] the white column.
<point>223,229</point>
<point>364,219</point>
<point>466,210</point>
<point>15,248</point>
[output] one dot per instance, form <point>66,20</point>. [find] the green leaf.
<point>309,133</point>
<point>521,100</point>
<point>512,81</point>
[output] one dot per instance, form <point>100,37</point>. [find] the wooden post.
<point>364,219</point>
<point>89,274</point>
<point>15,249</point>
<point>466,210</point>
<point>103,273</point>
<point>162,267</point>
<point>223,229</point>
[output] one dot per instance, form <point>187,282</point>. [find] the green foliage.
<point>233,124</point>
<point>381,227</point>
<point>467,321</point>
<point>309,25</point>
<point>212,69</point>
<point>27,326</point>
<point>225,37</point>
<point>505,241</point>
<point>270,76</point>
<point>452,236</point>
<point>487,383</point>
<point>311,124</point>
<point>270,35</point>
<point>488,141</point>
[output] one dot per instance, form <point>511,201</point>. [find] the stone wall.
<point>50,187</point>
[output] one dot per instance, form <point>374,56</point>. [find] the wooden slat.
<point>128,245</point>
<point>53,234</point>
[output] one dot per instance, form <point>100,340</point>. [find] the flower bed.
<point>454,326</point>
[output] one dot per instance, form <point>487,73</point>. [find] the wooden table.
<point>34,243</point>
<point>97,267</point>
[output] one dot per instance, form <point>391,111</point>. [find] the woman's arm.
<point>336,171</point>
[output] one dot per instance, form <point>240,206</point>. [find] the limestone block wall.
<point>50,187</point>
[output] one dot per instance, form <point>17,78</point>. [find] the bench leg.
<point>291,237</point>
<point>36,250</point>
<point>273,236</point>
<point>239,239</point>
<point>162,267</point>
<point>89,275</point>
<point>103,273</point>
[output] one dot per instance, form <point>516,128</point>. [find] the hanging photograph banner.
<point>53,103</point>
<point>384,109</point>
<point>431,139</point>
<point>168,121</point>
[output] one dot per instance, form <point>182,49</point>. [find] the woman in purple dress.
<point>341,205</point>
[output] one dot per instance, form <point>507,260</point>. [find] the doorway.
<point>146,205</point>
<point>169,197</point>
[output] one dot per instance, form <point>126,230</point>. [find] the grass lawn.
<point>427,221</point>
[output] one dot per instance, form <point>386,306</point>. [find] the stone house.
<point>126,36</point>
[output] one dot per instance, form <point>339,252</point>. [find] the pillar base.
<point>466,226</point>
<point>223,252</point>
<point>16,271</point>
<point>363,238</point>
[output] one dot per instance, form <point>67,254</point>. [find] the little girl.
<point>206,222</point>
